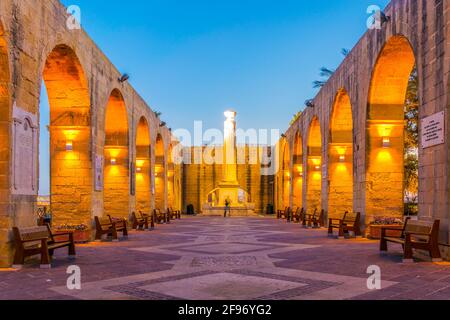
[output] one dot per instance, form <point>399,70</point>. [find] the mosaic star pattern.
<point>201,258</point>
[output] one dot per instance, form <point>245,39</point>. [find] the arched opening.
<point>386,152</point>
<point>116,153</point>
<point>65,150</point>
<point>298,171</point>
<point>286,176</point>
<point>143,172</point>
<point>314,182</point>
<point>160,174</point>
<point>171,195</point>
<point>340,157</point>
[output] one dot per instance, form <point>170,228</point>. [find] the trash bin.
<point>190,210</point>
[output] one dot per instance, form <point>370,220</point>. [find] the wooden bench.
<point>298,215</point>
<point>110,228</point>
<point>160,217</point>
<point>139,221</point>
<point>121,225</point>
<point>348,222</point>
<point>289,215</point>
<point>176,214</point>
<point>420,235</point>
<point>315,220</point>
<point>39,240</point>
<point>150,218</point>
<point>282,213</point>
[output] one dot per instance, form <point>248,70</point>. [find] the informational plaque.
<point>25,151</point>
<point>98,173</point>
<point>433,130</point>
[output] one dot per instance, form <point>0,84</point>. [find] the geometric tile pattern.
<point>236,259</point>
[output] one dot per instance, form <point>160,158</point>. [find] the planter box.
<point>78,236</point>
<point>375,231</point>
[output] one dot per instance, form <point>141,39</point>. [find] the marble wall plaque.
<point>25,151</point>
<point>98,173</point>
<point>433,130</point>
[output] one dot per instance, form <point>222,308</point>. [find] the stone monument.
<point>229,188</point>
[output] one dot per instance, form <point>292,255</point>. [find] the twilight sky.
<point>193,59</point>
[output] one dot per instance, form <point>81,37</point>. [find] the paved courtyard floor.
<point>235,258</point>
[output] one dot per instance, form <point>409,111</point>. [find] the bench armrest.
<point>391,228</point>
<point>62,233</point>
<point>417,233</point>
<point>34,240</point>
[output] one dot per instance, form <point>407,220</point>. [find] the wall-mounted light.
<point>316,163</point>
<point>69,145</point>
<point>139,165</point>
<point>342,158</point>
<point>386,142</point>
<point>113,161</point>
<point>300,171</point>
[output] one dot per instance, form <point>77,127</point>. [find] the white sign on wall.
<point>25,135</point>
<point>433,130</point>
<point>98,173</point>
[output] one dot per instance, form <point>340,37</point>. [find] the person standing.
<point>227,207</point>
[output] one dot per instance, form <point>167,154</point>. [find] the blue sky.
<point>193,59</point>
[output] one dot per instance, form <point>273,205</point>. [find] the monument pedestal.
<point>247,210</point>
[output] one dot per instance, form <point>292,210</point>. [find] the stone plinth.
<point>247,210</point>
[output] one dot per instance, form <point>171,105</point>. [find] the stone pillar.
<point>229,144</point>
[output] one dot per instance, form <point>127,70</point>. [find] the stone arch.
<point>340,156</point>
<point>314,169</point>
<point>160,173</point>
<point>70,136</point>
<point>143,167</point>
<point>286,176</point>
<point>298,171</point>
<point>116,153</point>
<point>385,128</point>
<point>171,194</point>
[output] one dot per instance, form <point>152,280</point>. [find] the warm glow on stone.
<point>314,179</point>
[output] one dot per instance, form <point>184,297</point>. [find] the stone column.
<point>229,165</point>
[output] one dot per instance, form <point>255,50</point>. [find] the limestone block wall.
<point>374,76</point>
<point>37,46</point>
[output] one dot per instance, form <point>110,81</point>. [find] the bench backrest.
<point>143,215</point>
<point>102,223</point>
<point>137,216</point>
<point>425,228</point>
<point>352,217</point>
<point>30,234</point>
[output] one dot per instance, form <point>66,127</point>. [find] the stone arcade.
<point>345,152</point>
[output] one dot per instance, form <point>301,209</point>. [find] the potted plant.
<point>81,232</point>
<point>379,222</point>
